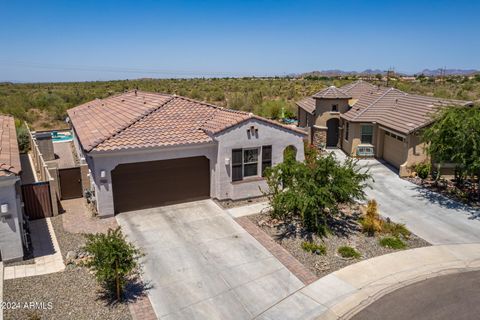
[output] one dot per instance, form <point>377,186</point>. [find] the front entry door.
<point>332,132</point>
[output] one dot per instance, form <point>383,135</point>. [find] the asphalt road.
<point>455,296</point>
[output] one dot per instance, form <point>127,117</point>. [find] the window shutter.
<point>266,158</point>
<point>236,164</point>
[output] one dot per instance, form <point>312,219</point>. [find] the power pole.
<point>390,73</point>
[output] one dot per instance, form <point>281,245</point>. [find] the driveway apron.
<point>202,265</point>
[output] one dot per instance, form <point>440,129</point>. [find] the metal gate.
<point>37,200</point>
<point>70,183</point>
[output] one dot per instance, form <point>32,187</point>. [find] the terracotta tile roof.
<point>331,92</point>
<point>396,109</point>
<point>358,88</point>
<point>144,120</point>
<point>9,154</point>
<point>307,104</point>
<point>389,107</point>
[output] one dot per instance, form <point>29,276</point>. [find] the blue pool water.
<point>61,136</point>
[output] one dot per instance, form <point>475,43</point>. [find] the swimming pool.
<point>62,136</point>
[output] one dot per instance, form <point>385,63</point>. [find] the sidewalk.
<point>247,210</point>
<point>46,252</point>
<point>343,293</point>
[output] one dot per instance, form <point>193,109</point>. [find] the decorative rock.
<point>71,256</point>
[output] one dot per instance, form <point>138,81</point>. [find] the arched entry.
<point>332,132</point>
<point>290,153</point>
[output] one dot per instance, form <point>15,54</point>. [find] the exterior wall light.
<point>4,208</point>
<point>227,161</point>
<point>103,174</point>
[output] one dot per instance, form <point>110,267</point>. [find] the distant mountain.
<point>371,72</point>
<point>448,72</point>
<point>336,73</point>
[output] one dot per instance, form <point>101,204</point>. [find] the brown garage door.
<point>394,151</point>
<point>151,184</point>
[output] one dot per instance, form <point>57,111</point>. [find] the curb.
<point>345,292</point>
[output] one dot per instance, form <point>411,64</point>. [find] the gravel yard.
<point>74,293</point>
<point>228,204</point>
<point>349,234</point>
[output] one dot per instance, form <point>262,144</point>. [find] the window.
<point>250,162</point>
<point>347,131</point>
<point>266,158</point>
<point>367,134</point>
<point>335,108</point>
<point>393,135</point>
<point>245,163</point>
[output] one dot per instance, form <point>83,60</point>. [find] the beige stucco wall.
<point>323,110</point>
<point>415,154</point>
<point>350,146</point>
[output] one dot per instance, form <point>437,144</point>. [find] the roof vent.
<point>123,100</point>
<point>135,91</point>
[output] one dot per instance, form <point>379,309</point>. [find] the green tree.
<point>113,259</point>
<point>454,137</point>
<point>312,190</point>
<point>23,138</point>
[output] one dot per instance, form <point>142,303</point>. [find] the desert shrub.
<point>113,259</point>
<point>371,222</point>
<point>392,242</point>
<point>312,191</point>
<point>348,252</point>
<point>23,139</point>
<point>423,170</point>
<point>314,248</point>
<point>396,229</point>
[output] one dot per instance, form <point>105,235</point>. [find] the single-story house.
<point>148,149</point>
<point>365,120</point>
<point>11,211</point>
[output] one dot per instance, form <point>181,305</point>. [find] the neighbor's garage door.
<point>151,184</point>
<point>393,150</point>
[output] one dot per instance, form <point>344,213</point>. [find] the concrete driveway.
<point>203,265</point>
<point>431,216</point>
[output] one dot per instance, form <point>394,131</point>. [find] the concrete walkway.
<point>429,215</point>
<point>343,293</point>
<point>46,252</point>
<point>247,210</point>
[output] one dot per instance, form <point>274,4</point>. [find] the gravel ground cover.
<point>347,233</point>
<point>73,294</point>
<point>448,189</point>
<point>228,204</point>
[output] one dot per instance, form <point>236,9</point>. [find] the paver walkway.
<point>46,252</point>
<point>343,293</point>
<point>429,215</point>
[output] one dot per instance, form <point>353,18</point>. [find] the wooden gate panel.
<point>36,197</point>
<point>70,183</point>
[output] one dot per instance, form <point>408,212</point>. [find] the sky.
<point>42,41</point>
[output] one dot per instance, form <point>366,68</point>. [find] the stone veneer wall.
<point>319,138</point>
